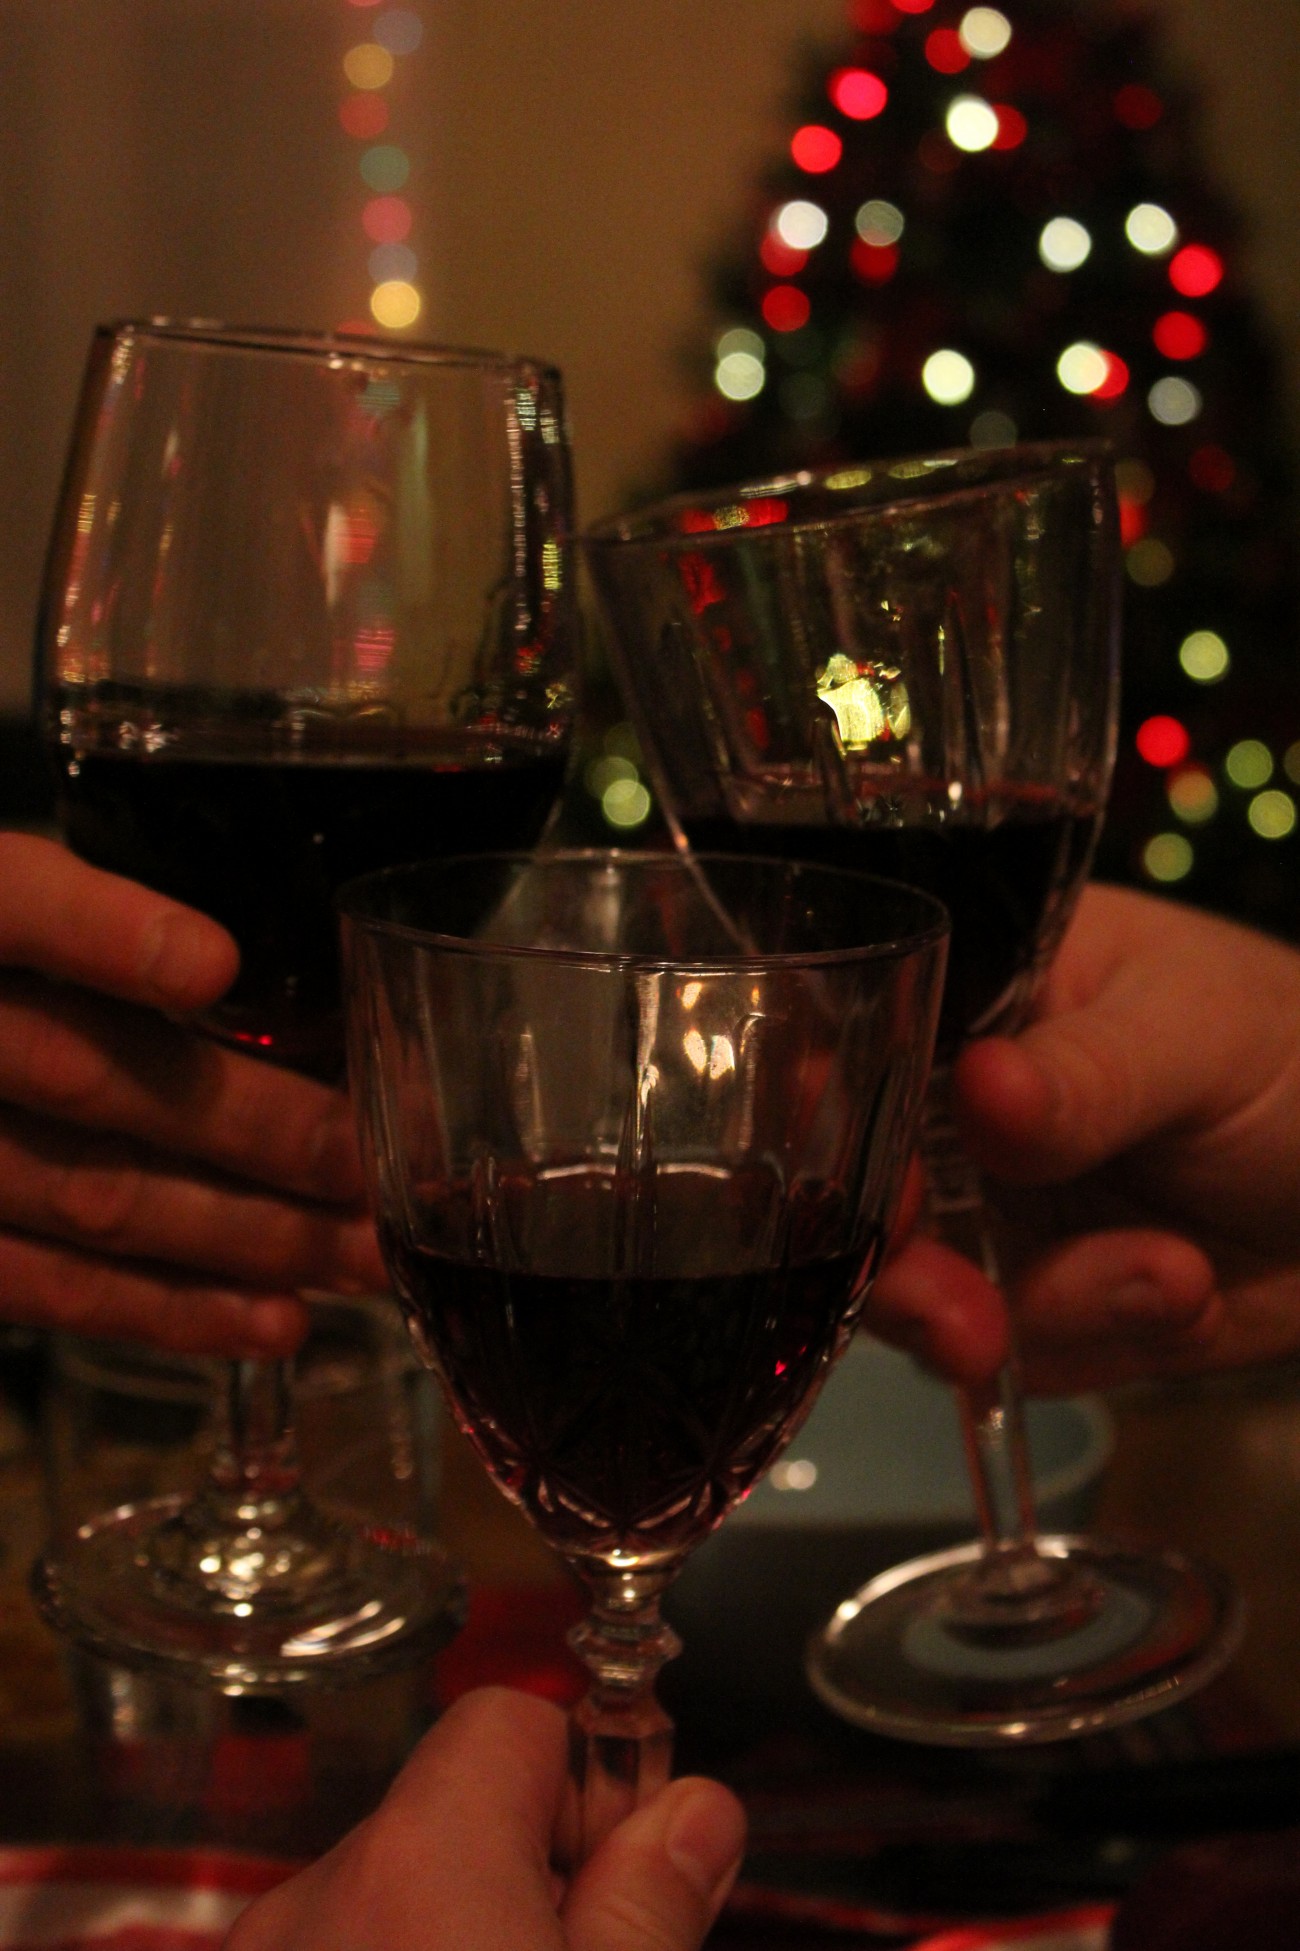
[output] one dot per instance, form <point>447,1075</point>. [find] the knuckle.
<point>58,1070</point>
<point>99,1203</point>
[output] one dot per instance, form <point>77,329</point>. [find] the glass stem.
<point>254,1473</point>
<point>992,1413</point>
<point>620,1739</point>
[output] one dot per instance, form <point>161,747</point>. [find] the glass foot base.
<point>918,1653</point>
<point>373,1605</point>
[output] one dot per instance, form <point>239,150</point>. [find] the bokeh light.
<point>992,428</point>
<point>1064,244</point>
<point>1193,795</point>
<point>1173,401</point>
<point>785,308</point>
<point>1195,270</point>
<point>1272,815</point>
<point>1012,126</point>
<point>879,222</point>
<point>858,93</point>
<point>1204,656</point>
<point>1162,741</point>
<point>1179,335</point>
<point>739,338</point>
<point>399,30</point>
<point>387,219</point>
<point>395,304</point>
<point>739,376</point>
<point>1212,469</point>
<point>1082,367</point>
<point>385,167</point>
<point>1168,857</point>
<point>364,116</point>
<point>971,123</point>
<point>948,377</point>
<point>1150,229</point>
<point>1149,563</point>
<point>984,32</point>
<point>1137,107</point>
<point>1249,764</point>
<point>625,803</point>
<point>392,261</point>
<point>875,264</point>
<point>368,65</point>
<point>945,52</point>
<point>816,149</point>
<point>801,225</point>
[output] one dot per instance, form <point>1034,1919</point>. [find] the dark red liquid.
<point>631,1413</point>
<point>1007,880</point>
<point>263,846</point>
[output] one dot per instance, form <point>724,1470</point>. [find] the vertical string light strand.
<point>386,218</point>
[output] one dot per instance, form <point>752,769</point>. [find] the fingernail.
<point>178,958</point>
<point>705,1842</point>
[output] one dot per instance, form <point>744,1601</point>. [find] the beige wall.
<point>579,163</point>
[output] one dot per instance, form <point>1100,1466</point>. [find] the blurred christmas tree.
<point>991,224</point>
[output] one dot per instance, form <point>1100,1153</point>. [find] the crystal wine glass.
<point>911,667</point>
<point>636,1127</point>
<point>307,614</point>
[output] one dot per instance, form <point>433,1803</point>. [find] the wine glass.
<point>307,613</point>
<point>911,667</point>
<point>636,1127</point>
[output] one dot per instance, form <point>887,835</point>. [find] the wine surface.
<point>263,846</point>
<point>1007,881</point>
<point>628,1414</point>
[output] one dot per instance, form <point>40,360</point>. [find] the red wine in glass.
<point>262,845</point>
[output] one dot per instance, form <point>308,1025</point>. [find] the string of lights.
<point>990,224</point>
<point>387,35</point>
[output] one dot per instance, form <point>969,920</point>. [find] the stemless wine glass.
<point>636,1128</point>
<point>307,614</point>
<point>911,667</point>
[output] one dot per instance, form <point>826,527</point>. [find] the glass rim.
<point>349,902</point>
<point>218,335</point>
<point>1026,463</point>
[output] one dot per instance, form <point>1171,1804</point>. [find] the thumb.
<point>658,1882</point>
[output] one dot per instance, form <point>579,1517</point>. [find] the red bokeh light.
<point>875,264</point>
<point>780,258</point>
<point>1132,522</point>
<point>386,219</point>
<point>1137,107</point>
<point>944,51</point>
<point>1162,741</point>
<point>857,93</point>
<point>913,6</point>
<point>1116,380</point>
<point>1212,469</point>
<point>1195,270</point>
<point>815,148</point>
<point>785,308</point>
<point>364,115</point>
<point>1012,126</point>
<point>873,16</point>
<point>1179,335</point>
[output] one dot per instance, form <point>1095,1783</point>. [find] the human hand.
<point>154,1185</point>
<point>1149,1120</point>
<point>457,1858</point>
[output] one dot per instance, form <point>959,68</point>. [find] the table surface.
<point>1212,1467</point>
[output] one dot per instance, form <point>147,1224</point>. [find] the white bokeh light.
<point>739,376</point>
<point>948,377</point>
<point>801,225</point>
<point>879,223</point>
<point>1173,401</point>
<point>1082,367</point>
<point>984,32</point>
<point>1150,229</point>
<point>1064,244</point>
<point>972,124</point>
